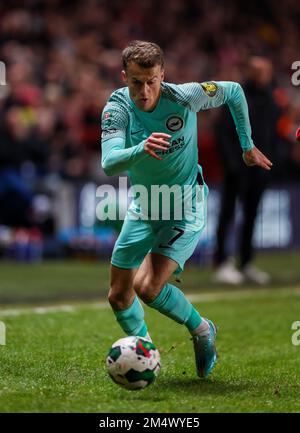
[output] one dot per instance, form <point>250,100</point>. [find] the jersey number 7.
<point>174,238</point>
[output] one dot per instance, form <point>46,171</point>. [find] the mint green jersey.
<point>125,129</point>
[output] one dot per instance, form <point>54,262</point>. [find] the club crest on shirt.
<point>174,123</point>
<point>209,88</point>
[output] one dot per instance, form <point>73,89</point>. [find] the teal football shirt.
<point>125,129</point>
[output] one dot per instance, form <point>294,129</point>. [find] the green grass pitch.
<point>55,361</point>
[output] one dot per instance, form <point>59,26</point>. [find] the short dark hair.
<point>145,54</point>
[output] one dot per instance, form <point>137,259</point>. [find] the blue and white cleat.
<point>205,350</point>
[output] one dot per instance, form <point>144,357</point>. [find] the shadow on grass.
<point>203,386</point>
<point>190,387</point>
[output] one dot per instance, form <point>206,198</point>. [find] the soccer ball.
<point>133,362</point>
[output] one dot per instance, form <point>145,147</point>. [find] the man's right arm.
<point>116,158</point>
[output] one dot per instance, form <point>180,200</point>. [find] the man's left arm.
<point>214,94</point>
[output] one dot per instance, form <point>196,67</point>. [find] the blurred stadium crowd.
<point>63,60</point>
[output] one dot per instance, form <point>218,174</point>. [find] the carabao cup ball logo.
<point>174,123</point>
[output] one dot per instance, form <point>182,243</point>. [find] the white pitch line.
<point>37,310</point>
<point>193,297</point>
<point>240,294</point>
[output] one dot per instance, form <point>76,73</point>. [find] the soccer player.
<point>149,128</point>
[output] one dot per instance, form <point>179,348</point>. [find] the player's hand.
<point>256,157</point>
<point>157,141</point>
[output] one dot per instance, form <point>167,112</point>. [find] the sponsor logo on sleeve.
<point>108,132</point>
<point>209,88</point>
<point>106,120</point>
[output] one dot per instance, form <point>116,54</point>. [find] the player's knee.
<point>117,299</point>
<point>147,289</point>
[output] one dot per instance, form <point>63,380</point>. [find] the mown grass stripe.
<point>193,297</point>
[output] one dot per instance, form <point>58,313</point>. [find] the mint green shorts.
<point>176,239</point>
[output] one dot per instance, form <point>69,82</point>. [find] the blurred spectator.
<point>241,182</point>
<point>293,162</point>
<point>17,145</point>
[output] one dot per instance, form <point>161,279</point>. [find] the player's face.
<point>143,85</point>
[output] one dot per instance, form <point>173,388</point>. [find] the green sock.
<point>131,319</point>
<point>172,302</point>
